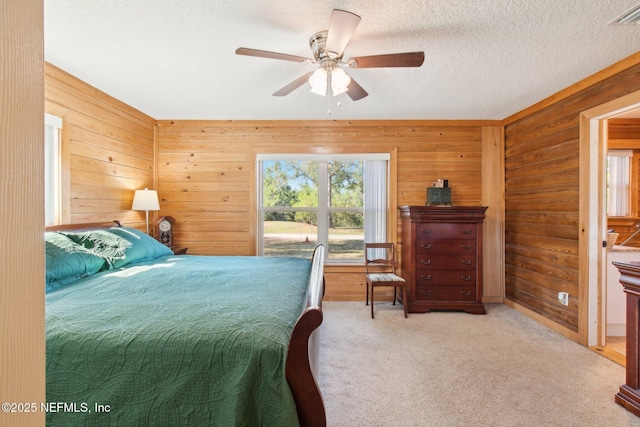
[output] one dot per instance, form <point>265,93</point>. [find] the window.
<point>52,127</point>
<point>618,182</point>
<point>337,200</point>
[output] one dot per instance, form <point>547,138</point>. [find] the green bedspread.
<point>179,341</point>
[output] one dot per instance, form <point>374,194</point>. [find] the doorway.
<point>593,219</point>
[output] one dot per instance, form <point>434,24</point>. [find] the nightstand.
<point>179,251</point>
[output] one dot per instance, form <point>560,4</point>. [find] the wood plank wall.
<point>206,174</point>
<point>625,131</point>
<point>107,151</point>
<point>542,195</point>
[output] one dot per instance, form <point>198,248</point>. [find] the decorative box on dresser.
<point>442,257</point>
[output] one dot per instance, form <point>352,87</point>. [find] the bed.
<point>136,335</point>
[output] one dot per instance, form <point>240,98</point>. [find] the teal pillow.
<point>67,261</point>
<point>143,247</point>
<point>121,246</point>
<point>109,246</point>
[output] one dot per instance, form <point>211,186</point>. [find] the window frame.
<point>322,212</point>
<point>53,169</point>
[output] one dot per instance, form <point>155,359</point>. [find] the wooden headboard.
<point>84,226</point>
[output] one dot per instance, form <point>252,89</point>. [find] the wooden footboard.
<point>304,347</point>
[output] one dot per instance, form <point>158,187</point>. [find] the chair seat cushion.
<point>385,277</point>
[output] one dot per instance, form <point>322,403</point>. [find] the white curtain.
<point>375,201</point>
<point>618,178</point>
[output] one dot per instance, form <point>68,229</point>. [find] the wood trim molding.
<point>22,269</point>
<point>253,204</point>
<point>603,74</point>
<point>541,319</point>
<point>493,193</point>
<point>592,223</point>
<point>155,214</point>
<point>333,123</point>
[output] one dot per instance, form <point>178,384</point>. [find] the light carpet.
<point>459,369</point>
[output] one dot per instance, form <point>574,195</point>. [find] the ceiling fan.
<point>328,47</point>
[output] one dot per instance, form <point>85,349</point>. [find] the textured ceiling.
<point>483,59</point>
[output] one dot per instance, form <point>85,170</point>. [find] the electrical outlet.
<point>563,297</point>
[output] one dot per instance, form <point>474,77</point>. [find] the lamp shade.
<point>145,200</point>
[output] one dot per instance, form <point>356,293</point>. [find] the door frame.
<point>593,217</point>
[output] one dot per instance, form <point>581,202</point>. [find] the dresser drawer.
<point>446,293</point>
<point>446,277</point>
<point>448,246</point>
<point>445,230</point>
<point>446,262</point>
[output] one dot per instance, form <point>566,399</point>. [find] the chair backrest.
<point>380,256</point>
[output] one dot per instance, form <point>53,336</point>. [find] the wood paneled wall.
<point>624,132</point>
<point>22,347</point>
<point>107,151</point>
<point>542,195</point>
<point>206,174</point>
<point>205,170</point>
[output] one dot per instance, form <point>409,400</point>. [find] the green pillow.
<point>110,246</point>
<point>67,261</point>
<point>143,247</point>
<point>121,246</point>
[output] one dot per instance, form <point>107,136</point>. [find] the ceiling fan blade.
<point>293,85</point>
<point>408,59</point>
<point>355,91</point>
<point>273,55</point>
<point>341,28</point>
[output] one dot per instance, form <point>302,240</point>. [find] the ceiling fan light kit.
<point>336,79</point>
<point>328,47</point>
<point>339,81</point>
<point>318,81</point>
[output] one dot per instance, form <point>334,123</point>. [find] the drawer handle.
<point>427,262</point>
<point>426,231</point>
<point>467,231</point>
<point>423,246</point>
<point>423,277</point>
<point>465,247</point>
<point>466,294</point>
<point>466,278</point>
<point>468,262</point>
<point>425,293</point>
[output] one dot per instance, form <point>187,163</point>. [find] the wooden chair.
<point>381,271</point>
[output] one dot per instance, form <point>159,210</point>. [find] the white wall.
<point>616,310</point>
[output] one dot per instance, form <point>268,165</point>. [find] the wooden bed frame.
<point>303,354</point>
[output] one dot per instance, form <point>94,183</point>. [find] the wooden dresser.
<point>629,394</point>
<point>442,257</point>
